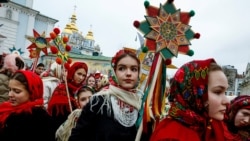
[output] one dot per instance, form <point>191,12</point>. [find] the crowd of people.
<point>78,105</point>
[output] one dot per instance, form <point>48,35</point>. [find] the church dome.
<point>71,27</point>
<point>67,29</point>
<point>89,36</point>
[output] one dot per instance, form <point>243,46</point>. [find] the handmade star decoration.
<point>166,30</point>
<point>39,43</point>
<point>167,33</point>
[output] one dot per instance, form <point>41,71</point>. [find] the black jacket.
<point>98,126</point>
<point>35,126</point>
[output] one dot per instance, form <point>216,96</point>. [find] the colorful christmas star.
<point>39,43</point>
<point>167,34</point>
<point>166,30</point>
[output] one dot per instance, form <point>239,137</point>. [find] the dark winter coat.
<point>35,126</point>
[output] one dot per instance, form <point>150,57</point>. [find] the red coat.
<point>171,130</point>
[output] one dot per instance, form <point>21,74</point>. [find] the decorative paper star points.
<point>166,30</point>
<point>39,43</point>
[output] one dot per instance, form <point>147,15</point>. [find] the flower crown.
<point>121,52</point>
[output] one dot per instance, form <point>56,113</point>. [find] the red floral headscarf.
<point>35,89</point>
<point>240,102</point>
<point>188,92</point>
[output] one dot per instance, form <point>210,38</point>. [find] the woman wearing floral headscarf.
<point>59,106</point>
<point>238,117</point>
<point>23,117</point>
<point>111,113</point>
<point>198,104</point>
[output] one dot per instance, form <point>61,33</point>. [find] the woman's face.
<point>242,118</point>
<point>217,100</point>
<point>83,98</point>
<point>91,82</point>
<point>18,94</point>
<point>127,72</point>
<point>79,75</point>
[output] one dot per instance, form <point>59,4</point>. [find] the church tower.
<point>79,43</point>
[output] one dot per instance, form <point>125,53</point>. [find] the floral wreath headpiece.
<point>121,52</point>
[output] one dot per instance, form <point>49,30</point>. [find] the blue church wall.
<point>21,30</point>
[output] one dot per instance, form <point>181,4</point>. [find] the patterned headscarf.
<point>240,102</point>
<point>35,89</point>
<point>188,92</point>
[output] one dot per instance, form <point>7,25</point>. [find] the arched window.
<point>8,14</point>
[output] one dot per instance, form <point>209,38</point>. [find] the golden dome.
<point>67,29</point>
<point>89,36</point>
<point>71,27</point>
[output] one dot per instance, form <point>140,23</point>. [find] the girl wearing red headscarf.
<point>111,113</point>
<point>23,117</point>
<point>238,118</point>
<point>198,104</point>
<point>59,106</point>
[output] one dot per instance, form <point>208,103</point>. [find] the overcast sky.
<point>224,25</point>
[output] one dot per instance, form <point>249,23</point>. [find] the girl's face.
<point>127,72</point>
<point>91,82</point>
<point>217,100</point>
<point>18,94</point>
<point>242,118</point>
<point>83,98</point>
<point>79,75</point>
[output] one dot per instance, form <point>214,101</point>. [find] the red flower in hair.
<point>118,54</point>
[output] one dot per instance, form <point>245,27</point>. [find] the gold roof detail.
<point>71,27</point>
<point>89,36</point>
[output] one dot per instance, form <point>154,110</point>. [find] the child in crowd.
<point>111,113</point>
<point>83,95</point>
